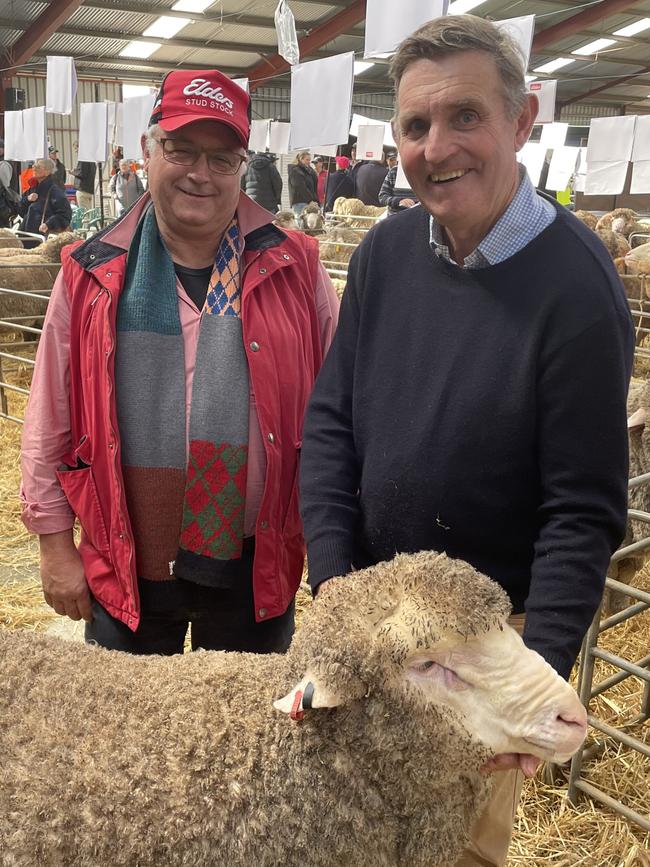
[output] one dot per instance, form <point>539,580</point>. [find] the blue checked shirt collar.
<point>524,219</point>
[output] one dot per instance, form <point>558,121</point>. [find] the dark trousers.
<point>219,620</point>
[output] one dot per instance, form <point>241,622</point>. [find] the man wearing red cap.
<point>179,349</point>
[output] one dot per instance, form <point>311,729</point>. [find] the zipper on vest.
<point>108,355</point>
<point>99,295</point>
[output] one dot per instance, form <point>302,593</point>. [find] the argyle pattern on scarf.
<point>186,502</point>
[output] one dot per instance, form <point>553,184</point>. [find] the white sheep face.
<point>505,694</point>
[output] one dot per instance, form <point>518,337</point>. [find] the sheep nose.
<point>573,725</point>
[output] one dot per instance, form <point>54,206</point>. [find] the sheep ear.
<point>321,697</point>
<point>637,420</point>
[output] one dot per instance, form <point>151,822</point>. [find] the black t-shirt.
<point>195,282</point>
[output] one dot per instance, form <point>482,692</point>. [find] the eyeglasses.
<point>183,153</point>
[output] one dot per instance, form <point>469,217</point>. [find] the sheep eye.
<point>426,665</point>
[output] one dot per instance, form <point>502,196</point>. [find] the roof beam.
<point>205,17</point>
<point>319,36</point>
<point>40,30</point>
<point>578,22</point>
<point>607,86</point>
<point>135,63</point>
<point>601,57</point>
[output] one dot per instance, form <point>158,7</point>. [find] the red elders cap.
<point>342,163</point>
<point>186,96</point>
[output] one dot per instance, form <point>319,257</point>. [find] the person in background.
<point>369,178</point>
<point>117,156</point>
<point>394,198</point>
<point>6,169</point>
<point>322,173</point>
<point>26,177</point>
<point>391,159</point>
<point>262,181</point>
<point>125,187</point>
<point>303,183</point>
<point>84,182</point>
<point>59,170</point>
<point>460,408</point>
<point>45,208</point>
<point>340,183</point>
<point>179,349</point>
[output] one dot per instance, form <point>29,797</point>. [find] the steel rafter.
<point>581,21</point>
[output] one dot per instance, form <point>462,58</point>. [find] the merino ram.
<point>415,680</point>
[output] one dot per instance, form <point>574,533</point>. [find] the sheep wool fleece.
<point>113,760</point>
<point>481,413</point>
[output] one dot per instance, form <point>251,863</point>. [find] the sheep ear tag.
<point>304,696</point>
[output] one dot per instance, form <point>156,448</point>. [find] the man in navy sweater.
<point>473,400</point>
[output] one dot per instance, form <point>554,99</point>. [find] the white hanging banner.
<point>581,171</point>
<point>34,133</point>
<point>259,136</point>
<point>61,86</point>
<point>241,82</point>
<point>401,181</point>
<point>327,118</point>
<point>640,177</point>
<point>119,125</point>
<point>325,150</point>
<point>554,135</point>
<point>521,30</point>
<point>546,92</point>
<point>387,24</point>
<point>13,135</point>
<point>279,137</point>
<point>532,157</point>
<point>370,142</point>
<point>93,132</point>
<point>562,168</point>
<point>111,121</point>
<point>641,147</point>
<point>135,122</point>
<point>605,179</point>
<point>611,139</point>
<point>360,120</point>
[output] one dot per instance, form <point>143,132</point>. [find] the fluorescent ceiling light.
<point>361,66</point>
<point>139,49</point>
<point>461,6</point>
<point>192,5</point>
<point>631,29</point>
<point>166,27</point>
<point>595,46</point>
<point>552,65</point>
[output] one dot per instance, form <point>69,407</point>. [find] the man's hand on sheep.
<point>62,574</point>
<point>32,197</point>
<point>523,762</point>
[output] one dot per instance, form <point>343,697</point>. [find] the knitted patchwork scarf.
<point>186,502</point>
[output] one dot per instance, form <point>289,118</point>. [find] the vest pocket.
<point>79,487</point>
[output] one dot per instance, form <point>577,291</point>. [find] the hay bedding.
<point>548,830</point>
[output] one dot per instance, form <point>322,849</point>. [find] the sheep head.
<point>431,632</point>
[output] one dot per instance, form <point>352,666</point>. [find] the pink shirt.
<point>46,434</point>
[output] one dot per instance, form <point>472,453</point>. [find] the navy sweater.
<point>481,413</point>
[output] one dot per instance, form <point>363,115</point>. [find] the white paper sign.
<point>532,157</point>
<point>610,139</point>
<point>13,135</point>
<point>387,24</point>
<point>327,118</point>
<point>279,137</point>
<point>605,179</point>
<point>641,147</point>
<point>34,133</point>
<point>401,181</point>
<point>562,168</point>
<point>370,142</point>
<point>360,120</point>
<point>61,87</point>
<point>119,126</point>
<point>521,30</point>
<point>581,171</point>
<point>93,132</point>
<point>640,177</point>
<point>241,82</point>
<point>325,150</point>
<point>546,92</point>
<point>554,135</point>
<point>259,137</point>
<point>135,121</point>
